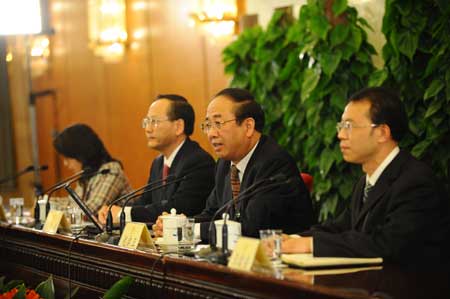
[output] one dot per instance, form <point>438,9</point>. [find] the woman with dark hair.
<point>83,150</point>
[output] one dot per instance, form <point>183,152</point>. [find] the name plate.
<point>136,235</point>
<point>248,254</point>
<point>56,219</point>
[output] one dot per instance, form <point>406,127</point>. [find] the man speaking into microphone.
<point>234,124</point>
<point>168,125</point>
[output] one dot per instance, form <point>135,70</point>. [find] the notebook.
<point>307,260</point>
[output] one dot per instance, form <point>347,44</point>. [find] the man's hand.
<point>158,226</point>
<point>296,244</point>
<point>103,213</point>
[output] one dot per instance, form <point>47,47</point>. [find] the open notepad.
<point>307,260</point>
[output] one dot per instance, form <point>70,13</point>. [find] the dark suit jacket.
<point>404,219</point>
<point>186,197</point>
<point>287,207</point>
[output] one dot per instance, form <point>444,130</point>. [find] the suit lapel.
<point>383,184</point>
<point>246,179</point>
<point>356,200</point>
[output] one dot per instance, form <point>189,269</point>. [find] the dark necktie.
<point>235,183</point>
<point>367,189</point>
<point>165,173</point>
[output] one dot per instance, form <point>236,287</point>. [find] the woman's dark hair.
<point>81,143</point>
<point>247,106</point>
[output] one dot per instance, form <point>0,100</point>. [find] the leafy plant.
<point>417,64</point>
<point>302,71</point>
<point>15,289</point>
<point>119,289</point>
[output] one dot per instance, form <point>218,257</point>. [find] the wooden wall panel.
<point>167,56</point>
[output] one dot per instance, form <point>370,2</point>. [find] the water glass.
<point>271,238</point>
<point>188,231</point>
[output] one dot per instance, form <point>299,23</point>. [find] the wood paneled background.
<point>171,57</point>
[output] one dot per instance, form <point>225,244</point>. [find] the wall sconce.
<point>39,53</point>
<point>217,17</point>
<point>107,28</point>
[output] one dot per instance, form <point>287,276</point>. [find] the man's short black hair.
<point>180,109</point>
<point>247,107</point>
<point>386,108</point>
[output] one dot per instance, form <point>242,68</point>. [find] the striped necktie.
<point>367,190</point>
<point>235,183</point>
<point>165,173</point>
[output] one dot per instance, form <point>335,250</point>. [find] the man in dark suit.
<point>396,210</point>
<point>234,124</point>
<point>168,125</point>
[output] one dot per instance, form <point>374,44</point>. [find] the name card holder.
<point>56,220</point>
<point>249,255</point>
<point>136,235</point>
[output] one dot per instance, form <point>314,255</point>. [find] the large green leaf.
<point>434,88</point>
<point>320,26</point>
<point>330,61</point>
<point>311,78</point>
<point>407,43</point>
<point>326,161</point>
<point>339,34</point>
<point>433,108</point>
<point>355,39</point>
<point>46,289</point>
<point>339,6</point>
<point>378,77</point>
<point>420,148</point>
<point>119,289</point>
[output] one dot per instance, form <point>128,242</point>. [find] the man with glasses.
<point>396,211</point>
<point>168,125</point>
<point>234,123</point>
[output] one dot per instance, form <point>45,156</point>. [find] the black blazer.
<point>287,207</point>
<point>405,219</point>
<point>186,197</point>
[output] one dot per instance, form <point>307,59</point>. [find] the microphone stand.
<point>58,186</point>
<point>221,257</point>
<point>109,217</point>
<point>122,213</point>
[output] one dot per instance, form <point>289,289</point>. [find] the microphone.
<point>109,217</point>
<point>257,187</point>
<point>122,213</point>
<point>29,168</point>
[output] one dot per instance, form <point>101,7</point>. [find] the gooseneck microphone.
<point>30,168</point>
<point>258,187</point>
<point>109,217</point>
<point>168,183</point>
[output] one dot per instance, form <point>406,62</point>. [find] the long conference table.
<point>32,255</point>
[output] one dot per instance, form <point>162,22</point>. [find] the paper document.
<point>307,260</point>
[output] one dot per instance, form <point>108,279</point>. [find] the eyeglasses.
<point>348,126</point>
<point>207,125</point>
<point>152,122</point>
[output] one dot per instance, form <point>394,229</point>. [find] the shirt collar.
<point>169,160</point>
<point>242,165</point>
<point>377,173</point>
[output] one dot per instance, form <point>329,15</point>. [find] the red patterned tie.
<point>235,183</point>
<point>165,173</point>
